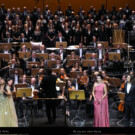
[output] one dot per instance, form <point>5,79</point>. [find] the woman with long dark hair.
<point>101,113</point>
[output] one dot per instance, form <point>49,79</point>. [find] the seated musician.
<point>84,80</point>
<point>35,90</point>
<point>65,93</point>
<point>104,75</point>
<point>77,83</point>
<point>119,50</point>
<point>39,76</point>
<point>100,51</point>
<point>93,57</point>
<point>24,79</point>
<point>6,50</point>
<point>23,39</point>
<point>13,64</point>
<point>15,76</point>
<point>124,80</point>
<point>24,49</point>
<point>73,56</point>
<point>34,57</point>
<point>62,74</point>
<point>8,39</point>
<point>58,64</point>
<point>61,52</point>
<point>76,67</point>
<point>42,49</point>
<point>80,51</point>
<point>52,56</point>
<point>100,66</point>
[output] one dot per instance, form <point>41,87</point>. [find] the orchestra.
<point>88,52</point>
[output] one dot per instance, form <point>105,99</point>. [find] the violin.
<point>121,107</point>
<point>35,94</point>
<point>122,86</point>
<point>83,79</point>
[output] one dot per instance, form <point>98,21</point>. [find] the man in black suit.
<point>129,89</point>
<point>61,52</point>
<point>23,39</point>
<point>15,76</point>
<point>101,52</point>
<point>13,64</point>
<point>42,49</point>
<point>60,38</point>
<point>48,85</point>
<point>34,58</point>
<point>8,39</point>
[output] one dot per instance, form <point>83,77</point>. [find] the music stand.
<point>77,95</point>
<point>23,93</point>
<point>72,61</point>
<point>73,74</point>
<point>86,63</point>
<point>114,56</point>
<point>89,55</point>
<point>61,43</point>
<point>24,54</point>
<point>43,56</point>
<point>50,63</point>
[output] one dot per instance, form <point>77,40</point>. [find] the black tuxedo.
<point>78,52</point>
<point>58,39</point>
<point>39,51</point>
<point>48,85</point>
<point>64,53</point>
<point>14,66</point>
<point>103,53</point>
<point>129,104</point>
<point>23,40</point>
<point>93,44</point>
<point>37,59</point>
<point>8,40</point>
<point>13,77</point>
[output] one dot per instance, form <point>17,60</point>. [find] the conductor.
<point>48,86</point>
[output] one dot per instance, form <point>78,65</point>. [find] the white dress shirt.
<point>80,52</point>
<point>76,86</point>
<point>5,52</point>
<point>16,79</point>
<point>100,54</point>
<point>32,90</point>
<point>128,87</point>
<point>60,39</point>
<point>61,54</point>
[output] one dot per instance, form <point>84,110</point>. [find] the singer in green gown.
<point>8,117</point>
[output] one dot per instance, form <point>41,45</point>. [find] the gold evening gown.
<point>8,117</point>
